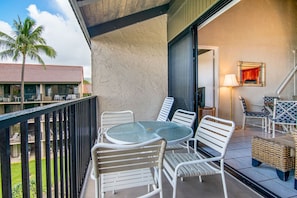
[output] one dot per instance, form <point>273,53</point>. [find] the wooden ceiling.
<point>101,16</point>
<point>101,11</point>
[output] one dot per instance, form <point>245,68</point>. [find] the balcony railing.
<point>64,134</point>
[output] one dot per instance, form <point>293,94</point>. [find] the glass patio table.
<point>141,131</point>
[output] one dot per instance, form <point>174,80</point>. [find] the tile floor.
<point>238,157</point>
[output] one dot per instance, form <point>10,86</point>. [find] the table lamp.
<point>230,81</point>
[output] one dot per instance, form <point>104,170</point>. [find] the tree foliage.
<point>25,41</point>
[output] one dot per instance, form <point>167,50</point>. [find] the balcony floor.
<point>211,187</point>
<point>238,156</point>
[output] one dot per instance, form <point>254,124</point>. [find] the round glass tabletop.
<point>137,132</point>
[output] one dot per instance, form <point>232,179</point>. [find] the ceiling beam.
<point>127,20</point>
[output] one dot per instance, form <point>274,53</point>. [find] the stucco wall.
<point>256,31</point>
<point>129,68</point>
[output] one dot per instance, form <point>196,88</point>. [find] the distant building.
<point>87,89</point>
<point>43,85</point>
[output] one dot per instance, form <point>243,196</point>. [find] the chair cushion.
<point>284,119</point>
<point>256,114</point>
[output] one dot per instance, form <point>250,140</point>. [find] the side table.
<point>278,153</point>
<point>206,111</point>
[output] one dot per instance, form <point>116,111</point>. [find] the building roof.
<point>11,73</point>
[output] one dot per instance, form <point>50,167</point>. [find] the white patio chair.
<point>213,133</point>
<point>186,118</point>
<point>117,167</point>
<point>284,114</point>
<point>113,118</point>
<point>165,109</point>
<point>262,115</point>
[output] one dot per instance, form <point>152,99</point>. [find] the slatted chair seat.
<point>127,179</point>
<point>256,114</point>
<point>213,133</point>
<point>190,170</point>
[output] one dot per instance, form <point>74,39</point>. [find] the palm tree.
<point>25,42</point>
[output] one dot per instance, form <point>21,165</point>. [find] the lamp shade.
<point>230,80</point>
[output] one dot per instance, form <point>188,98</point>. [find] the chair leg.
<point>224,185</point>
<point>265,124</point>
<point>243,122</point>
<point>97,187</point>
<point>273,129</point>
<point>160,185</point>
<point>174,187</point>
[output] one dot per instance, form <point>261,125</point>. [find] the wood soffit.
<point>101,16</point>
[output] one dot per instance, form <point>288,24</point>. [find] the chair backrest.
<point>113,118</point>
<point>243,104</point>
<point>285,111</point>
<point>108,158</point>
<point>165,109</point>
<point>215,133</point>
<point>269,100</point>
<point>184,117</point>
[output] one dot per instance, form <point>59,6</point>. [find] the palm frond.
<point>49,51</point>
<point>27,41</point>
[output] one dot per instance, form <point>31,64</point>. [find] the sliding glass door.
<point>182,72</point>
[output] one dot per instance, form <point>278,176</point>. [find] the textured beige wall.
<point>129,68</point>
<point>254,30</point>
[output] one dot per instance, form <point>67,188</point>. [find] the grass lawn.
<point>16,173</point>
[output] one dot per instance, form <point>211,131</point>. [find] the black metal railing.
<point>56,159</point>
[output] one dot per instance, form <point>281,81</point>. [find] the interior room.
<point>254,31</point>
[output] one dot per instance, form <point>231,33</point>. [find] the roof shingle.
<point>11,73</point>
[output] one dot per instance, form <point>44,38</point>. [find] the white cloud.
<point>5,27</point>
<point>63,33</point>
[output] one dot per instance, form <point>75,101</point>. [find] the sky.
<point>61,30</point>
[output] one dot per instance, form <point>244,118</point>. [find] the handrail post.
<point>25,159</point>
<point>5,163</point>
<point>73,144</point>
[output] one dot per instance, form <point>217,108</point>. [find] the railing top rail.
<point>9,119</point>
